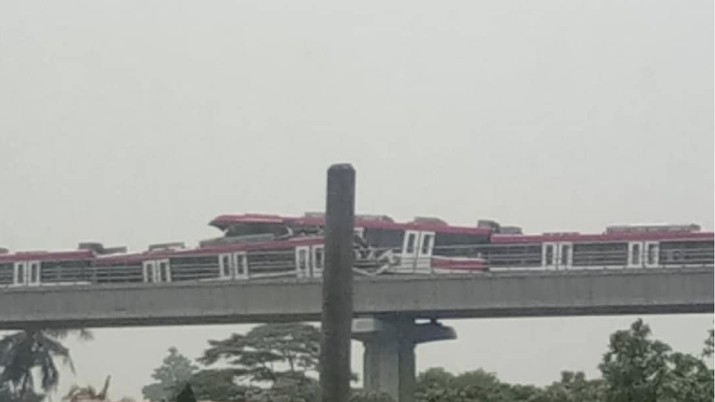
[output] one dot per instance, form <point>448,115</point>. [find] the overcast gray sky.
<point>135,122</point>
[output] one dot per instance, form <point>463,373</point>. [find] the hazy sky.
<point>135,122</point>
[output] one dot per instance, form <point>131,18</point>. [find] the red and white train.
<point>270,246</point>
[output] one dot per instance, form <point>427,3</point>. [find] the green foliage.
<point>634,366</point>
<point>175,371</point>
<point>688,379</point>
<point>574,387</point>
<point>639,369</point>
<point>296,388</point>
<point>219,385</point>
<point>370,396</point>
<point>437,385</point>
<point>22,353</point>
<point>8,395</point>
<point>186,395</point>
<point>77,393</point>
<point>708,350</point>
<point>276,360</point>
<point>635,369</point>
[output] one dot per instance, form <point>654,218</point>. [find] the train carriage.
<point>298,257</point>
<point>268,246</point>
<point>636,246</point>
<point>424,245</point>
<point>34,268</point>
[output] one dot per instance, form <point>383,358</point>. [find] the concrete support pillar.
<point>389,359</point>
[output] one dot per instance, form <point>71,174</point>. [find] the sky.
<point>135,122</point>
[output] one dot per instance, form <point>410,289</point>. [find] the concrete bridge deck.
<point>645,291</point>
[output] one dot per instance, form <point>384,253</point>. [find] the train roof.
<point>361,221</point>
<point>207,250</point>
<point>601,237</point>
<point>104,255</point>
<point>66,255</point>
<point>224,221</point>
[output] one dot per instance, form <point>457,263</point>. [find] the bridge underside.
<point>232,319</point>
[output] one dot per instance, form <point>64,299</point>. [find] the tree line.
<point>280,363</point>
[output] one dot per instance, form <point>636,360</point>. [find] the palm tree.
<point>7,395</point>
<point>22,352</point>
<point>77,393</point>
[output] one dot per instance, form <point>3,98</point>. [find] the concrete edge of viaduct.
<point>439,297</point>
<point>392,303</point>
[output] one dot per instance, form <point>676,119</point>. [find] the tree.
<point>176,370</point>
<point>280,358</point>
<point>77,393</point>
<point>639,369</point>
<point>22,352</point>
<point>219,385</point>
<point>186,395</point>
<point>709,345</point>
<point>437,385</point>
<point>634,367</point>
<point>434,385</point>
<point>8,395</point>
<point>370,396</point>
<point>688,379</point>
<point>574,387</point>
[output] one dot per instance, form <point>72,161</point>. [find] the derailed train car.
<point>257,246</point>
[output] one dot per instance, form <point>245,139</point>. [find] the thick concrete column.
<point>337,285</point>
<point>389,359</point>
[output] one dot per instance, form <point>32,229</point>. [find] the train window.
<point>225,265</point>
<point>384,238</point>
<point>652,253</point>
<point>20,273</point>
<point>635,254</point>
<point>302,259</point>
<point>34,272</point>
<point>411,243</point>
<point>241,262</point>
<point>164,274</point>
<point>565,251</point>
<point>149,274</point>
<point>549,254</point>
<point>427,244</point>
<point>319,256</point>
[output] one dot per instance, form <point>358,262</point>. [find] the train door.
<point>318,261</point>
<point>565,255</point>
<point>651,251</point>
<point>163,271</point>
<point>424,252</point>
<point>33,273</point>
<point>18,274</point>
<point>549,256</point>
<point>635,255</point>
<point>409,250</point>
<point>302,261</point>
<point>240,265</point>
<point>149,269</point>
<point>225,266</point>
<point>156,271</point>
<point>26,273</point>
<point>417,250</point>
